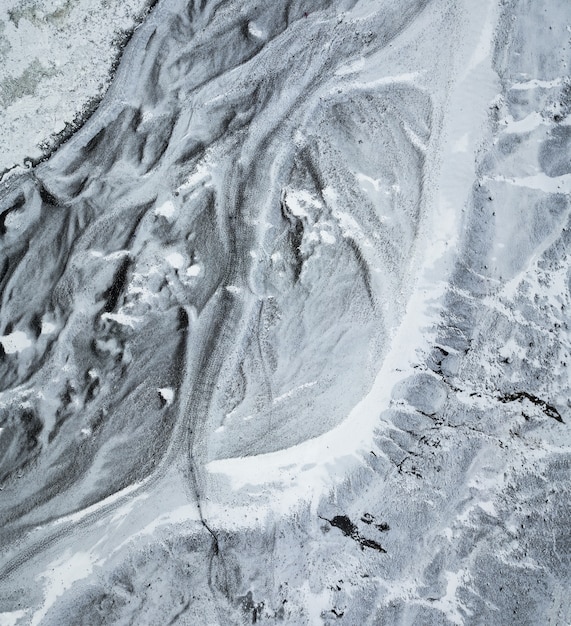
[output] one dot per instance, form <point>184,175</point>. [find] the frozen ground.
<point>284,325</point>
<point>56,60</point>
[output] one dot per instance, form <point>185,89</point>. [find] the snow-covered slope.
<point>284,325</point>
<point>56,61</point>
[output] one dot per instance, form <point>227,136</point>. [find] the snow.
<point>122,318</point>
<point>48,327</point>
<point>16,342</point>
<point>167,393</point>
<point>526,125</point>
<point>167,209</point>
<point>536,83</point>
<point>176,260</point>
<point>355,433</point>
<point>56,57</point>
<point>541,181</point>
<point>11,618</point>
<point>60,576</point>
<point>194,270</point>
<point>345,299</point>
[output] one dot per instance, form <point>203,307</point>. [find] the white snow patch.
<point>15,342</point>
<point>122,318</point>
<point>112,256</point>
<point>176,260</point>
<point>15,220</point>
<point>534,83</point>
<point>347,223</point>
<point>488,507</point>
<point>58,126</point>
<point>75,518</point>
<point>408,77</point>
<point>290,393</point>
<point>313,237</point>
<point>48,328</point>
<point>60,576</point>
<point>367,182</point>
<point>117,255</point>
<point>299,201</point>
<point>327,238</point>
<point>542,182</point>
<point>449,604</point>
<point>351,68</point>
<point>11,618</point>
<point>167,209</point>
<point>182,514</point>
<point>511,348</point>
<point>375,188</point>
<point>316,603</point>
<point>525,125</point>
<point>193,270</point>
<point>201,175</point>
<point>255,30</point>
<point>167,394</point>
<point>448,533</point>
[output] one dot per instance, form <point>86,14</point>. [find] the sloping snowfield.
<point>284,324</point>
<point>56,61</point>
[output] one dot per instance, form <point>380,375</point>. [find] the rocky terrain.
<point>284,322</point>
